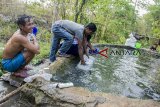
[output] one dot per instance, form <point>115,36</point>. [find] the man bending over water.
<point>19,51</point>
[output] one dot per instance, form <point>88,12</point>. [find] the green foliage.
<point>158,49</point>
<point>0,54</point>
<point>0,62</point>
<point>153,17</point>
<point>44,35</point>
<point>44,52</point>
<point>1,49</point>
<point>7,29</point>
<point>115,19</point>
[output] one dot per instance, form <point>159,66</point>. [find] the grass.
<point>1,45</point>
<point>7,29</point>
<point>158,49</point>
<point>44,52</point>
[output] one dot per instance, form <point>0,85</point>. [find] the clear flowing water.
<point>125,74</point>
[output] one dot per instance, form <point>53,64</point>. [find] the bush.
<point>7,29</point>
<point>44,52</point>
<point>0,63</point>
<point>158,49</point>
<point>43,34</point>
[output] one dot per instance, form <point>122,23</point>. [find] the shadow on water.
<point>128,75</point>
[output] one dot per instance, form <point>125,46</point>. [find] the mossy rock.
<point>60,64</point>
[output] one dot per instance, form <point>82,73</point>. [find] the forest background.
<point>115,19</point>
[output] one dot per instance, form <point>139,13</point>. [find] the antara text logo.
<point>105,52</point>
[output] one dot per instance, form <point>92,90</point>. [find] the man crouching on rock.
<point>19,50</point>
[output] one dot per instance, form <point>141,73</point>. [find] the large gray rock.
<point>58,97</point>
<point>60,64</point>
<point>77,97</point>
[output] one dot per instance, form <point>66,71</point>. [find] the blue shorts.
<point>13,64</point>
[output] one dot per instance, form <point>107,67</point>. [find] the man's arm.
<point>35,42</point>
<point>85,50</point>
<point>90,45</point>
<point>33,47</point>
<point>80,51</point>
<point>85,45</point>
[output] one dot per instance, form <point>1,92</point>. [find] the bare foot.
<point>27,68</point>
<point>21,73</point>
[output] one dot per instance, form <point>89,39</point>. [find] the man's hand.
<point>35,42</point>
<point>80,51</point>
<point>93,49</point>
<point>87,55</point>
<point>83,62</point>
<point>85,52</point>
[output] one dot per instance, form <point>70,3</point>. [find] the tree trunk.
<point>76,11</point>
<point>63,10</point>
<point>80,9</point>
<point>81,17</point>
<point>56,11</point>
<point>135,5</point>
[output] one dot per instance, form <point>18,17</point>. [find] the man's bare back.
<point>14,45</point>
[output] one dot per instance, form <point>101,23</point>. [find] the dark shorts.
<point>13,64</point>
<point>73,50</point>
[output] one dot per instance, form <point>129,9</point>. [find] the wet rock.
<point>77,97</point>
<point>33,95</point>
<point>14,81</point>
<point>59,97</point>
<point>59,64</point>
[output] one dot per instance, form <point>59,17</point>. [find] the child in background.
<point>133,38</point>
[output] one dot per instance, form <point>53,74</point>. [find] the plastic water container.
<point>34,31</point>
<point>64,85</point>
<point>96,51</point>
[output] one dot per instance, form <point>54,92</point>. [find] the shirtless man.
<point>19,51</point>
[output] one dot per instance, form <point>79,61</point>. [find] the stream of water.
<point>130,75</point>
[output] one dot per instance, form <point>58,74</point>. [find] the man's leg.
<point>55,42</point>
<point>68,40</point>
<point>28,56</point>
<point>21,72</point>
<point>54,48</point>
<point>60,33</point>
<point>73,50</point>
